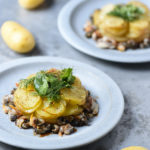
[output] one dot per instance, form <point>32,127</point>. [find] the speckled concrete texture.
<point>133,79</point>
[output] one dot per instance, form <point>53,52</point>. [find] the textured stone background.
<point>133,79</point>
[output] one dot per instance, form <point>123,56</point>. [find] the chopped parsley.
<point>127,12</point>
<point>49,84</point>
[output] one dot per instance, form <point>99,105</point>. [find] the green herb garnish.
<point>127,12</point>
<point>25,82</point>
<point>49,84</point>
<point>66,77</point>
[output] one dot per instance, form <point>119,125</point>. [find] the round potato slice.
<point>55,108</point>
<point>96,17</point>
<point>119,38</point>
<point>114,26</point>
<point>105,10</point>
<point>40,113</point>
<point>139,30</point>
<point>51,111</point>
<point>25,101</point>
<point>77,82</point>
<point>76,94</point>
<point>72,110</point>
<point>45,116</point>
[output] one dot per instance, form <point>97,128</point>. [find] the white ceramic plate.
<point>71,21</point>
<point>102,87</point>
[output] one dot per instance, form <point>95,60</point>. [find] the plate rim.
<point>73,39</point>
<point>7,65</point>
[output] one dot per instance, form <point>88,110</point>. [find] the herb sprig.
<point>49,84</point>
<point>24,83</point>
<point>127,12</point>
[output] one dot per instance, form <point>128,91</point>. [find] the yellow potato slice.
<point>139,29</point>
<point>105,10</point>
<point>148,17</point>
<point>76,94</point>
<point>117,38</point>
<point>139,34</point>
<point>96,17</point>
<point>135,148</point>
<point>51,111</point>
<point>77,82</point>
<point>114,26</point>
<point>40,113</point>
<point>56,108</point>
<point>45,116</point>
<point>72,110</point>
<point>25,101</point>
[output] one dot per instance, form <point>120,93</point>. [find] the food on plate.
<point>135,148</point>
<point>17,37</point>
<point>53,101</point>
<point>120,26</point>
<point>30,4</point>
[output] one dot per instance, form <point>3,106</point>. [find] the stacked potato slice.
<point>25,101</point>
<point>120,29</point>
<point>71,102</point>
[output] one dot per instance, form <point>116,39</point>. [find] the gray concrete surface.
<point>133,79</point>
